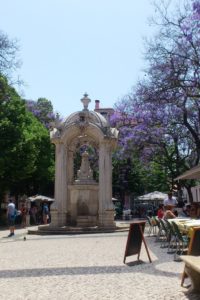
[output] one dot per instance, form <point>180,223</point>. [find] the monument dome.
<point>93,117</point>
<point>85,115</point>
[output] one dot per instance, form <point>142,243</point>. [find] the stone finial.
<point>85,100</point>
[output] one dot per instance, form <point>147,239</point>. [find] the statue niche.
<point>84,195</point>
<point>85,173</point>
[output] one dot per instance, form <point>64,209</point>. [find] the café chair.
<point>172,246</point>
<point>152,226</point>
<point>160,234</point>
<point>166,234</point>
<point>182,241</point>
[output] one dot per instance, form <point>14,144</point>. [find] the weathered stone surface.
<point>91,128</point>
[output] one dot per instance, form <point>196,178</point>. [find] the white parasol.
<point>41,198</point>
<point>153,196</point>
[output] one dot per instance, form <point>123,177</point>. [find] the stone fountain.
<point>81,201</point>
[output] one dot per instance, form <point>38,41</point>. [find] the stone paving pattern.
<point>84,267</point>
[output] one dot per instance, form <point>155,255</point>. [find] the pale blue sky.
<point>69,47</point>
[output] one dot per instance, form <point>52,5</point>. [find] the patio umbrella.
<point>115,199</point>
<point>153,196</point>
<point>41,198</point>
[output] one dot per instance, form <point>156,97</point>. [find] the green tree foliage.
<point>133,177</point>
<point>26,161</point>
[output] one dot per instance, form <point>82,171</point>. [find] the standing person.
<point>11,214</point>
<point>23,214</point>
<point>170,202</point>
<point>45,213</point>
<point>35,215</point>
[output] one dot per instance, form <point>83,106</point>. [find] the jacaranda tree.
<point>161,117</point>
<point>42,109</point>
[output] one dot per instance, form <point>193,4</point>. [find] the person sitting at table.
<point>193,212</point>
<point>186,210</point>
<point>198,212</point>
<point>169,215</point>
<point>160,213</point>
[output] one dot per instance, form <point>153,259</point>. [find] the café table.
<point>186,225</point>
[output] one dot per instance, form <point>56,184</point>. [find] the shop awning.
<point>193,173</point>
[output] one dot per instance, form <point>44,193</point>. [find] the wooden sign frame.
<point>193,249</point>
<point>135,239</point>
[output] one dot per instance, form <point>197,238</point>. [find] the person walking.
<point>11,214</point>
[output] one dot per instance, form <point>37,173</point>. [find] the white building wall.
<point>196,193</point>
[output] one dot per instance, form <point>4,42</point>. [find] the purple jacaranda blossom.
<point>42,113</point>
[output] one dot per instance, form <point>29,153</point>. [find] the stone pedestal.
<point>58,219</point>
<point>28,220</point>
<point>106,219</point>
<point>83,204</point>
<point>54,218</point>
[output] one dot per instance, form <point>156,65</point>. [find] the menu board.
<point>135,239</point>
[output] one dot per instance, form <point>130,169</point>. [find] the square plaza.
<point>88,266</point>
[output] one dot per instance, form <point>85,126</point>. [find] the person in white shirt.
<point>11,214</point>
<point>170,202</point>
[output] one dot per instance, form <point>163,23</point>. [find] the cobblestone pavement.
<point>77,267</point>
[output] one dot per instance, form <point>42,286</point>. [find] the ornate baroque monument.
<point>79,199</point>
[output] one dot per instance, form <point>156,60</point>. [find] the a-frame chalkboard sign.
<point>135,239</point>
<point>194,248</point>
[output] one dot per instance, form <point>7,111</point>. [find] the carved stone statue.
<point>85,173</point>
